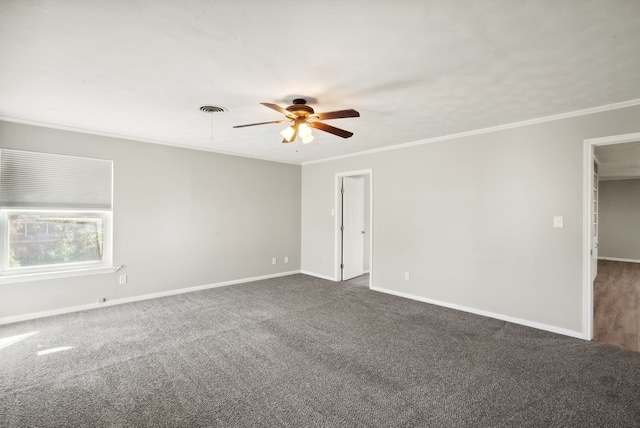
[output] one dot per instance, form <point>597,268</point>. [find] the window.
<point>55,211</point>
<point>46,238</point>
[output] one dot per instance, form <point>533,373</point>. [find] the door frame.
<point>587,234</point>
<point>338,220</point>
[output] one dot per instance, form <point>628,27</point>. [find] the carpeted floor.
<point>303,352</point>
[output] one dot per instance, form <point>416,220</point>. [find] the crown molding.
<point>480,131</point>
<point>133,138</point>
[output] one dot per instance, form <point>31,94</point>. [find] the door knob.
<point>362,232</point>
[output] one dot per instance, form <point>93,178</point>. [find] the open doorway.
<point>616,318</point>
<point>354,235</point>
<point>598,166</point>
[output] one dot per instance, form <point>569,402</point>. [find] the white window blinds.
<point>42,180</point>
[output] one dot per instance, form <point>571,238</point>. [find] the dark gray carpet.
<point>304,352</point>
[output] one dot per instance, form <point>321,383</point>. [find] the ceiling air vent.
<point>213,109</point>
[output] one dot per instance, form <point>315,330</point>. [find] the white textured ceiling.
<point>413,69</point>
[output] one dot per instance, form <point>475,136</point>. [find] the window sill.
<point>8,279</point>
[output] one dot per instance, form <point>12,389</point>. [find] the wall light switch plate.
<point>123,279</point>
<point>274,261</point>
<point>558,222</point>
<point>286,259</point>
<point>406,276</point>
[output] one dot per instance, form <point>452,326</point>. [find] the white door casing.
<point>594,225</point>
<point>352,227</point>
<point>588,233</point>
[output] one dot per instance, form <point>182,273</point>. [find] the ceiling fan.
<point>304,118</point>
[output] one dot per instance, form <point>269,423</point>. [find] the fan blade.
<point>338,114</point>
<point>279,109</point>
<point>261,123</point>
<point>331,129</point>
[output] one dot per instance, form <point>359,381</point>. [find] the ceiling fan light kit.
<point>304,130</point>
<point>287,133</point>
<point>304,118</point>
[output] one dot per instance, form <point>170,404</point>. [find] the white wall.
<point>182,218</point>
<point>619,222</point>
<point>471,218</point>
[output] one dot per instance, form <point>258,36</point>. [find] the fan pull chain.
<point>210,110</point>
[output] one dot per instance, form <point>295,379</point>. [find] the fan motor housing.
<point>299,108</point>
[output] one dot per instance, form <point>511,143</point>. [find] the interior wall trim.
<point>337,237</point>
<point>614,106</point>
<point>490,129</point>
<point>587,204</point>
<point>520,321</point>
<point>134,138</point>
<point>617,259</point>
<point>120,301</point>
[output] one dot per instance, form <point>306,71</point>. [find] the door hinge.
<point>591,252</point>
<point>342,228</point>
<point>342,190</point>
<point>341,266</point>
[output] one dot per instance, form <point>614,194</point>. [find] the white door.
<point>352,227</point>
<point>594,225</point>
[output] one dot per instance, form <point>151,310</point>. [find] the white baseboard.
<point>507,318</point>
<point>317,275</point>
<point>616,259</point>
<point>78,308</point>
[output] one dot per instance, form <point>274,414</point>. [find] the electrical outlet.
<point>406,276</point>
<point>286,259</point>
<point>274,261</point>
<point>123,279</point>
<point>102,299</point>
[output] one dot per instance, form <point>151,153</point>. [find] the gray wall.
<point>471,218</point>
<point>619,223</point>
<point>182,218</point>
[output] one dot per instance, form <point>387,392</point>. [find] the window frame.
<point>59,268</point>
<point>44,182</point>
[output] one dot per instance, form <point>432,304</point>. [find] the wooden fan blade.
<point>331,129</point>
<point>260,123</point>
<point>279,109</point>
<point>338,114</point>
